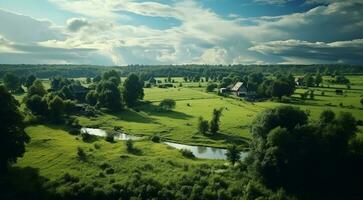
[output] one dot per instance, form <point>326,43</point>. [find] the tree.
<point>211,87</point>
<point>308,80</point>
<point>37,105</point>
<point>97,79</point>
<point>203,125</point>
<point>112,75</point>
<point>132,90</point>
<point>233,155</point>
<point>29,81</point>
<point>88,80</point>
<point>340,79</point>
<point>13,137</point>
<point>167,104</point>
<point>109,95</point>
<point>318,79</point>
<point>36,88</point>
<point>279,89</point>
<point>305,157</point>
<point>12,82</point>
<point>91,97</point>
<point>361,101</point>
<point>56,108</point>
<point>214,123</point>
<point>226,81</point>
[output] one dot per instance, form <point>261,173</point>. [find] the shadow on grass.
<point>132,116</point>
<point>154,110</point>
<point>239,140</point>
<point>135,151</point>
<point>23,183</point>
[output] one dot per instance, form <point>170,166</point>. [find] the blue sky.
<point>121,32</point>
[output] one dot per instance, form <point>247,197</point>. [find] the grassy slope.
<point>54,152</point>
<point>181,124</point>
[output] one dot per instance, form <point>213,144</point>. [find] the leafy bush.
<point>187,153</point>
<point>81,154</point>
<point>155,138</point>
<point>167,104</point>
<point>129,145</point>
<point>110,137</point>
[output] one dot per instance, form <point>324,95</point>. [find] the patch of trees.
<point>13,137</point>
<point>312,160</point>
<point>281,86</point>
<point>13,83</point>
<point>48,105</point>
<point>213,125</point>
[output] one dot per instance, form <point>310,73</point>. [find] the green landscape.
<point>181,100</point>
<point>165,136</point>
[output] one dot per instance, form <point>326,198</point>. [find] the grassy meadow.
<point>54,151</point>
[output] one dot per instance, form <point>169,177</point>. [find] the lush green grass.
<point>191,103</point>
<point>54,152</point>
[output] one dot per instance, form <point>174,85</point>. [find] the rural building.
<point>299,81</point>
<point>240,89</point>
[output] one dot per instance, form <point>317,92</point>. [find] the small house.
<point>239,89</point>
<point>299,81</point>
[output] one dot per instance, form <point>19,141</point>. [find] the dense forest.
<point>72,71</point>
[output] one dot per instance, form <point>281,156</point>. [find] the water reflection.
<point>205,152</point>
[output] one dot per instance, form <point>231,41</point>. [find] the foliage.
<point>210,87</point>
<point>203,125</point>
<point>129,145</point>
<point>155,138</point>
<point>167,104</point>
<point>13,137</point>
<point>187,153</point>
<point>29,81</point>
<point>132,90</point>
<point>56,108</point>
<point>214,123</point>
<point>307,159</point>
<point>37,88</point>
<point>109,95</point>
<point>92,97</point>
<point>233,154</point>
<point>37,105</point>
<point>12,82</point>
<point>81,154</point>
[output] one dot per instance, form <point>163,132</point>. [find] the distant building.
<point>240,89</point>
<point>299,81</point>
<point>223,90</point>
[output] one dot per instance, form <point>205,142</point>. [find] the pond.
<point>205,152</point>
<point>198,151</point>
<point>102,133</point>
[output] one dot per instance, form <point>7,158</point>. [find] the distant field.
<point>181,124</point>
<point>192,102</point>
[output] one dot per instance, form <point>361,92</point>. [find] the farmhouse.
<point>240,89</point>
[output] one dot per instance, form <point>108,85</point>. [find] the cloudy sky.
<point>121,32</point>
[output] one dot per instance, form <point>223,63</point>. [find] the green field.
<point>53,150</point>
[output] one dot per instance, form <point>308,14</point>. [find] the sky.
<point>124,32</point>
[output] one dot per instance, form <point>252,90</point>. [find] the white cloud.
<point>312,52</point>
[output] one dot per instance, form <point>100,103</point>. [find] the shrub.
<point>187,153</point>
<point>155,138</point>
<point>203,125</point>
<point>97,146</point>
<point>129,145</point>
<point>70,178</point>
<point>85,136</point>
<point>110,137</point>
<point>110,171</point>
<point>81,154</point>
<point>167,104</point>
